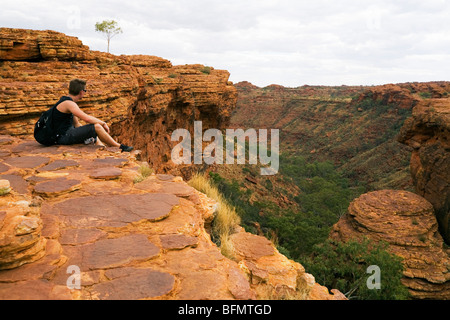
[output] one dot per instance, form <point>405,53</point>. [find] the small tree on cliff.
<point>109,27</point>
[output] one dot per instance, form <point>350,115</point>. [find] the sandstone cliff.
<point>414,225</point>
<point>68,210</point>
<point>359,129</point>
<point>143,98</point>
<point>428,133</point>
<point>355,127</point>
<point>83,208</point>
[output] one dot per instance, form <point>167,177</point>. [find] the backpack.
<point>44,131</point>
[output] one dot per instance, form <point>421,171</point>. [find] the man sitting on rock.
<point>66,121</point>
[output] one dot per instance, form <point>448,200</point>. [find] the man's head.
<point>77,86</point>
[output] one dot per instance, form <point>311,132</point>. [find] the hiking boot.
<point>125,148</point>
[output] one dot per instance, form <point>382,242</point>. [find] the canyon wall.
<point>415,225</point>
<point>92,209</point>
<point>427,132</point>
<point>394,139</point>
<point>142,98</point>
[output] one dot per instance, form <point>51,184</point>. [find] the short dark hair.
<point>76,86</point>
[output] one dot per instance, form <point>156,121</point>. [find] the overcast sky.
<point>286,42</point>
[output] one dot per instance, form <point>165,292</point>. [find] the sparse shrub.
<point>206,70</point>
<point>425,95</point>
<point>344,266</point>
<point>144,172</point>
<point>225,221</point>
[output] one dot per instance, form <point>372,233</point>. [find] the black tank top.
<point>62,121</point>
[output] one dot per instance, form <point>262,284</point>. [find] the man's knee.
<point>98,127</point>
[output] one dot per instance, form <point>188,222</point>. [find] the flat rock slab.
<point>134,284</point>
<point>34,290</point>
<point>251,247</point>
<point>5,153</point>
<point>115,210</point>
<point>176,188</point>
<point>165,177</point>
<point>106,173</point>
<point>59,164</point>
<point>104,187</point>
<point>109,162</point>
<point>34,147</point>
<point>57,186</point>
<point>177,241</point>
<point>80,236</point>
<point>4,167</point>
<point>27,162</point>
<point>18,183</point>
<point>149,185</point>
<point>111,253</point>
<point>6,139</point>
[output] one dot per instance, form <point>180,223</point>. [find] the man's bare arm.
<point>80,114</point>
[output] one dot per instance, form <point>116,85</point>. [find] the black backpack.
<point>44,131</point>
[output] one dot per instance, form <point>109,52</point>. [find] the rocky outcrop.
<point>407,223</point>
<point>81,222</point>
<point>143,98</point>
<point>415,225</point>
<point>428,133</point>
<point>34,45</point>
<point>84,222</point>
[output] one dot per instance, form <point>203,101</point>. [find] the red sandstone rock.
<point>177,241</point>
<point>106,173</point>
<point>407,223</point>
<point>428,133</point>
<point>143,98</point>
<point>134,284</point>
<point>118,234</point>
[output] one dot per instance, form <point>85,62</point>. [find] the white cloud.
<point>289,42</point>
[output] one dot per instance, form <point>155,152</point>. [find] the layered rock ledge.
<point>128,237</point>
<point>428,133</point>
<point>142,98</point>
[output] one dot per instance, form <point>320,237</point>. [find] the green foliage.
<point>344,266</point>
<point>302,235</point>
<point>110,28</point>
<point>425,95</point>
<point>206,70</point>
<point>325,196</point>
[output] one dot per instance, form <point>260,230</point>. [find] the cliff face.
<point>352,126</point>
<point>428,133</point>
<point>414,225</point>
<point>143,98</point>
<point>359,129</point>
<point>82,222</point>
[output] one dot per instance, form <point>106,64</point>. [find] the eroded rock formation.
<point>89,210</point>
<point>406,221</point>
<point>68,210</point>
<point>143,98</point>
<point>414,224</point>
<point>428,133</point>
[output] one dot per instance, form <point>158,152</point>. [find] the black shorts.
<point>84,134</point>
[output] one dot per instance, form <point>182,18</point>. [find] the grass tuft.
<point>226,219</point>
